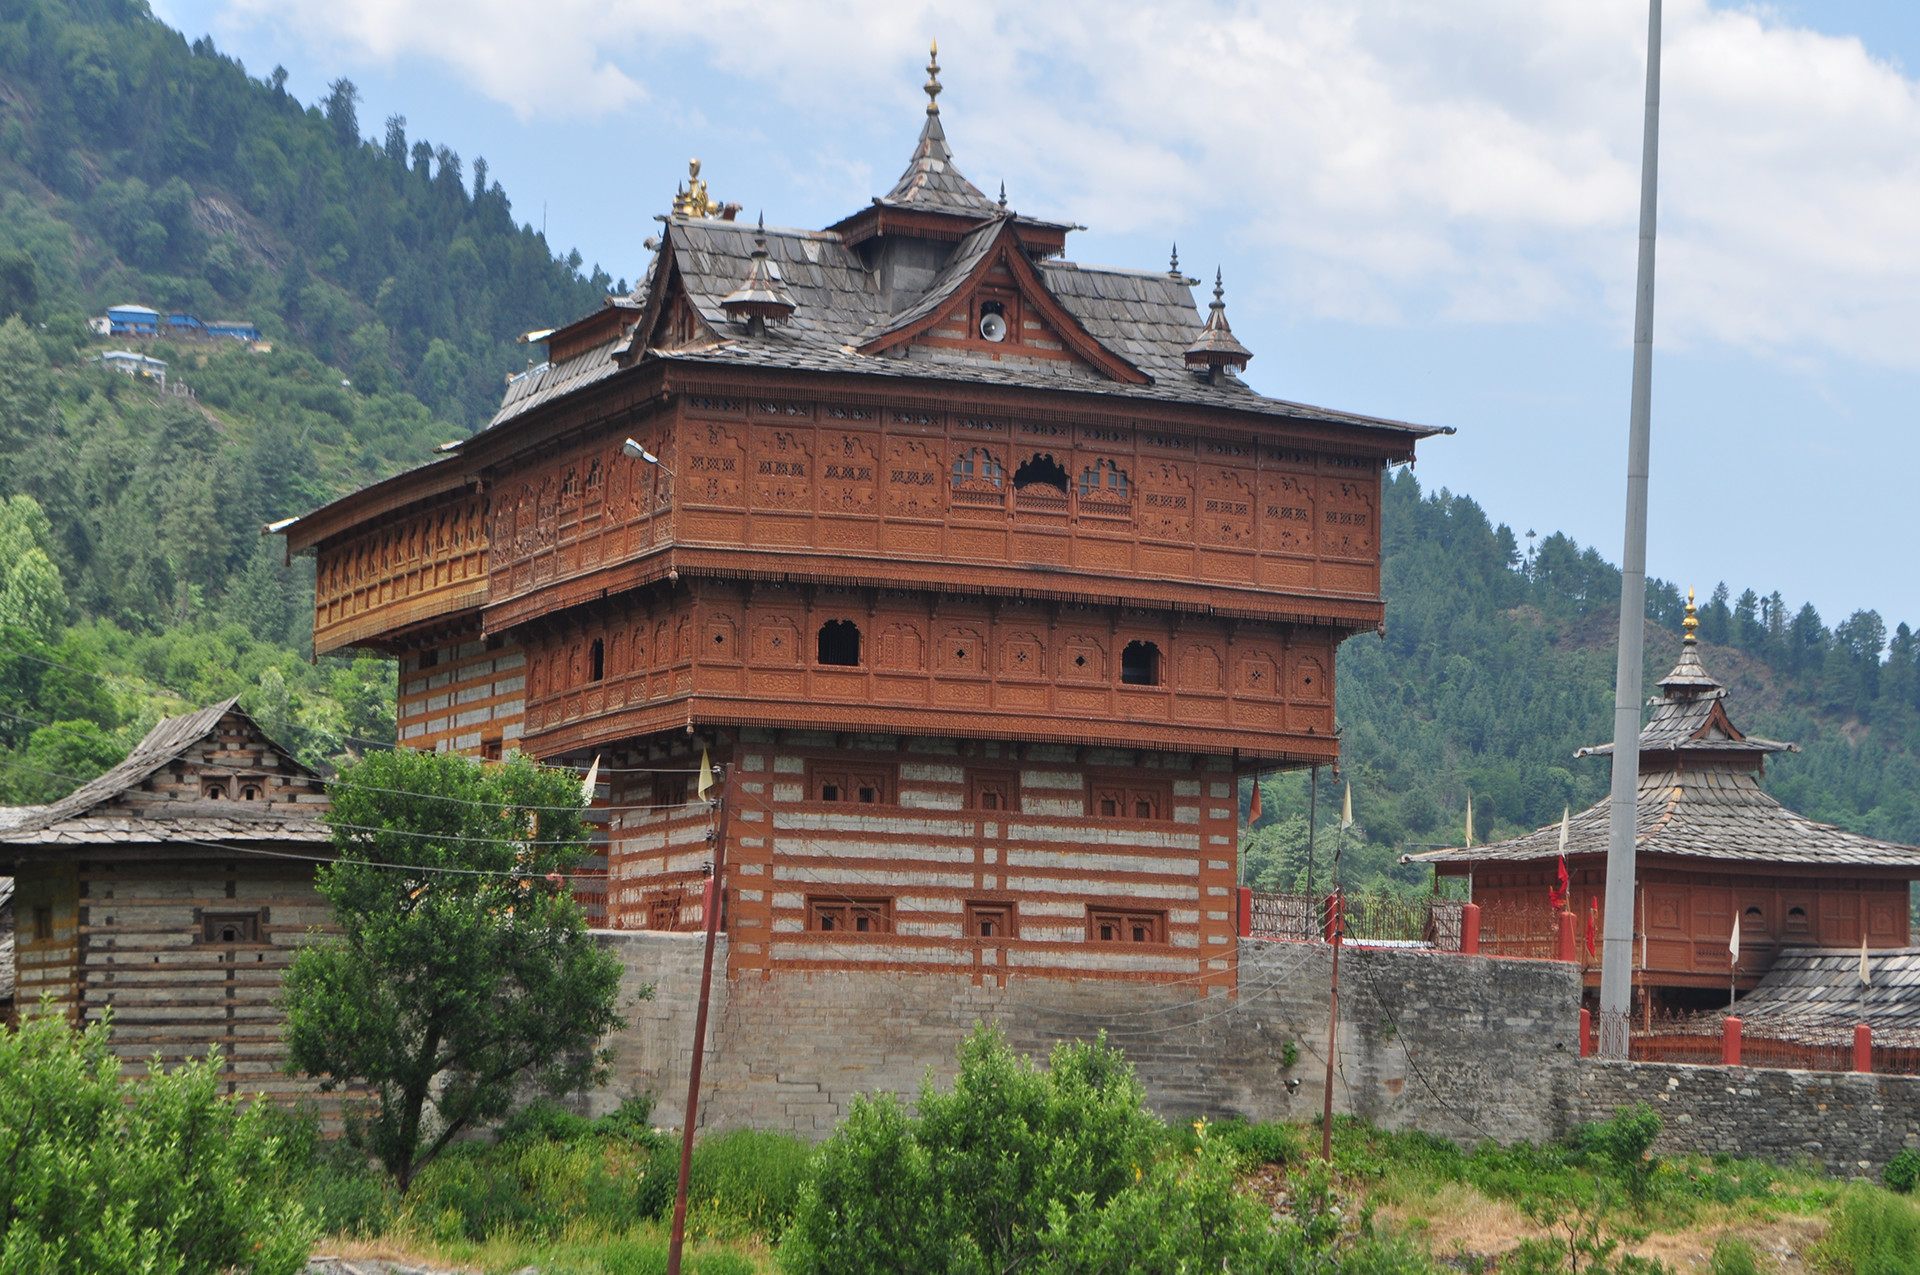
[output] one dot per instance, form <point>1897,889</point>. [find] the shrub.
<point>535,1188</point>
<point>1620,1146</point>
<point>1902,1172</point>
<point>104,1176</point>
<point>1734,1257</point>
<point>744,1182</point>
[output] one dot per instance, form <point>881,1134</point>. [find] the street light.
<point>637,452</point>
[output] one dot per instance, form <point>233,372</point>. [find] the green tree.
<point>102,1177</point>
<point>464,965</point>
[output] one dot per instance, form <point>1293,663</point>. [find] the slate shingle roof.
<point>1814,996</point>
<point>932,181</point>
<point>78,818</point>
<point>1699,806</point>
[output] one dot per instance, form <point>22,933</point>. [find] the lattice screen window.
<point>850,916</point>
<point>1130,925</point>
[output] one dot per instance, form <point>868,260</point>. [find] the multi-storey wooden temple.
<point>1712,847</point>
<point>982,567</point>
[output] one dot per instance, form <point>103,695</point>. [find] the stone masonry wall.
<point>1849,1124</point>
<point>1465,1047</point>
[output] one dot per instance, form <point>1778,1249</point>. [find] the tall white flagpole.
<point>1616,959</point>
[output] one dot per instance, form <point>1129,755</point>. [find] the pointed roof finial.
<point>933,78</point>
<point>1003,194</point>
<point>1216,349</point>
<point>1692,622</point>
<point>1173,264</point>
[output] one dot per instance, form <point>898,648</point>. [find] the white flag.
<point>706,775</point>
<point>1346,809</point>
<point>1733,944</point>
<point>1565,815</point>
<point>591,782</point>
<point>1866,975</point>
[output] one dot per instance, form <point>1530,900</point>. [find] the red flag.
<point>1593,912</point>
<point>1557,897</point>
<point>1253,813</point>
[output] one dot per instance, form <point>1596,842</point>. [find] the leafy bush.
<point>535,1188</point>
<point>103,1176</point>
<point>984,1172</point>
<point>743,1183</point>
<point>1620,1146</point>
<point>1872,1233</point>
<point>1902,1172</point>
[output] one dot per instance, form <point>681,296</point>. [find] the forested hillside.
<point>1497,666</point>
<point>135,167</point>
<point>138,168</point>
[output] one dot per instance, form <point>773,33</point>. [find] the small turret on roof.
<point>931,180</point>
<point>762,295</point>
<point>1216,347</point>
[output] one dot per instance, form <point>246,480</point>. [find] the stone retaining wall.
<point>1847,1123</point>
<point>1465,1047</point>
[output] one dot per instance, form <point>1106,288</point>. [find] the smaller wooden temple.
<point>173,891</point>
<point>1713,847</point>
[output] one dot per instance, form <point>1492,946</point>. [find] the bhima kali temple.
<point>983,568</point>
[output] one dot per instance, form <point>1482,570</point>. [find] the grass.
<point>574,1197</point>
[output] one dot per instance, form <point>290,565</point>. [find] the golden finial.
<point>694,200</point>
<point>1691,622</point>
<point>933,78</point>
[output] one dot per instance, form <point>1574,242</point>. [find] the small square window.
<point>862,785</point>
<point>993,790</point>
<point>993,922</point>
<point>213,790</point>
<point>43,923</point>
<point>1126,925</point>
<point>850,916</point>
<point>1127,799</point>
<point>230,927</point>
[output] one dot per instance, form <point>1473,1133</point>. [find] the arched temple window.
<point>1140,664</point>
<point>840,643</point>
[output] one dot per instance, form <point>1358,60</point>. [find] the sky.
<point>1425,211</point>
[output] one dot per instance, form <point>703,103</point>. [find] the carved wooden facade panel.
<point>1032,667</point>
<point>431,562</point>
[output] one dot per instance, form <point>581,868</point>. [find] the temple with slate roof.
<point>1713,846</point>
<point>172,893</point>
<point>984,568</point>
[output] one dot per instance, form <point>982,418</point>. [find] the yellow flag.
<point>591,782</point>
<point>706,775</point>
<point>1346,808</point>
<point>1469,821</point>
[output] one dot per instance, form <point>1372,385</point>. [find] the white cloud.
<point>1473,160</point>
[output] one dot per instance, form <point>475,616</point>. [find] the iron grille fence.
<point>1370,918</point>
<point>1530,930</point>
<point>1760,1052</point>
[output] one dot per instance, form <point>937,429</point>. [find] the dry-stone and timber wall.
<point>1465,1047</point>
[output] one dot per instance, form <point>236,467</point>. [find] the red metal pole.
<point>1862,1048</point>
<point>1730,1042</point>
<point>715,896</point>
<point>1586,1032</point>
<point>1470,930</point>
<point>1334,926</point>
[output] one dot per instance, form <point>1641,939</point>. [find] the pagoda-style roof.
<point>124,806</point>
<point>1699,795</point>
<point>866,290</point>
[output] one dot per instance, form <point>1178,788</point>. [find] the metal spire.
<point>1003,194</point>
<point>1173,266</point>
<point>1616,958</point>
<point>933,78</point>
